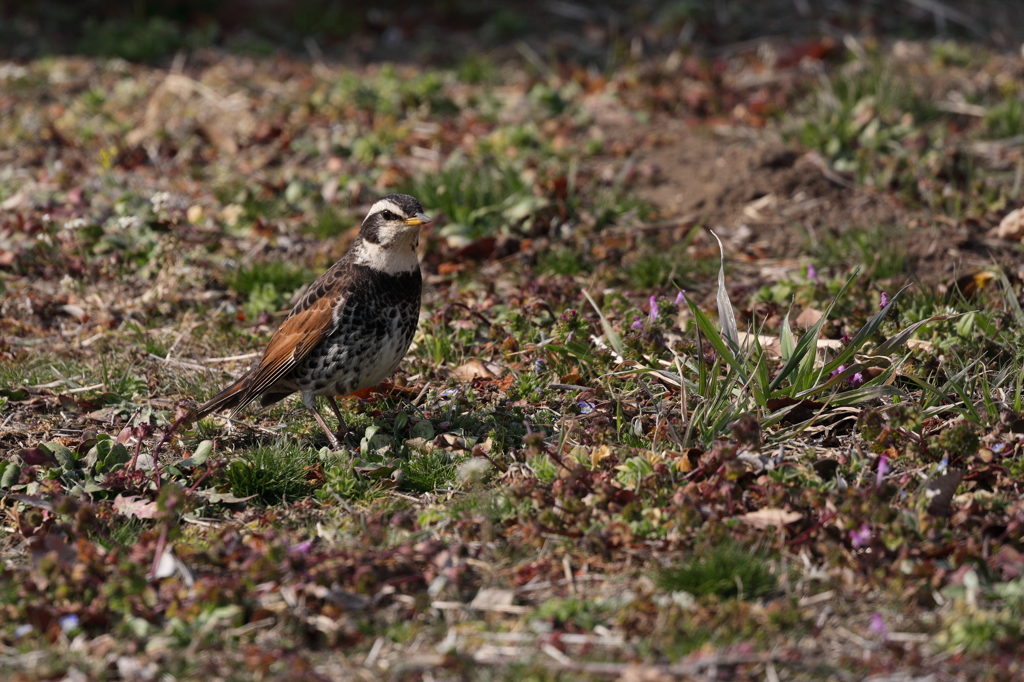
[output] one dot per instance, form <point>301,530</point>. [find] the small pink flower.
<point>637,323</point>
<point>838,370</point>
<point>883,469</point>
<point>857,379</point>
<point>812,273</point>
<point>860,537</point>
<point>877,626</point>
<point>681,297</point>
<point>654,310</point>
<point>885,300</point>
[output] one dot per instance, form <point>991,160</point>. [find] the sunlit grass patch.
<point>725,570</point>
<point>476,199</point>
<point>273,473</point>
<point>122,533</point>
<point>1005,119</point>
<point>563,261</point>
<point>880,251</point>
<point>427,472</point>
<point>269,285</point>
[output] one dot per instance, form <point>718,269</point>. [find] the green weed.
<point>1006,119</point>
<point>879,251</point>
<point>430,471</point>
<point>726,570</point>
<point>272,473</point>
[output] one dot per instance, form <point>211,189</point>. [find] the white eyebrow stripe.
<point>385,205</point>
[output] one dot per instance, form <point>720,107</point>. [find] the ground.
<point>616,449</point>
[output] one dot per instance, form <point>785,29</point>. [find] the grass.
<point>879,252</point>
<point>566,430</point>
<point>476,198</point>
<point>725,570</point>
<point>272,474</point>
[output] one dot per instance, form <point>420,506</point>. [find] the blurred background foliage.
<point>445,31</point>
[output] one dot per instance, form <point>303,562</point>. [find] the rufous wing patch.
<point>294,339</point>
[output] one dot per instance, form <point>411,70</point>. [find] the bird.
<point>352,326</point>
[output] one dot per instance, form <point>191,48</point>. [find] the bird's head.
<point>394,220</point>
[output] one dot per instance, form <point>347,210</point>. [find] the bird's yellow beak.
<point>417,219</point>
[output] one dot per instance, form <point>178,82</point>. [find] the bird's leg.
<point>327,430</point>
<point>342,430</point>
<point>309,400</point>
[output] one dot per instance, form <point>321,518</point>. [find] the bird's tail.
<point>233,397</point>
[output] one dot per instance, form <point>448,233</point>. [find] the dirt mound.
<point>768,200</point>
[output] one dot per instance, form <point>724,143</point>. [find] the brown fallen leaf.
<point>804,410</point>
<point>763,518</point>
<point>475,368</point>
<point>1012,225</point>
<point>492,598</point>
<point>808,318</point>
<point>40,546</point>
<point>139,507</point>
<point>771,344</point>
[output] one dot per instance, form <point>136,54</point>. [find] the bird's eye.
<point>388,215</point>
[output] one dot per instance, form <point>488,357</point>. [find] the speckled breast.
<point>375,326</point>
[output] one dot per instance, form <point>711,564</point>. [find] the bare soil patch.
<point>771,200</point>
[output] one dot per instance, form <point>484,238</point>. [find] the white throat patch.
<point>394,258</point>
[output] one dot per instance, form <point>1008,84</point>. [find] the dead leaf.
<point>771,344</point>
<point>645,673</point>
<point>75,311</point>
<point>349,601</point>
<point>491,598</point>
<point>180,103</point>
<point>1012,225</point>
<point>808,318</point>
<point>473,369</point>
<point>940,491</point>
<point>801,412</point>
<point>599,453</point>
<point>970,285</point>
<point>138,507</point>
<point>37,457</point>
<point>41,546</point>
<point>763,518</point>
<point>573,378</point>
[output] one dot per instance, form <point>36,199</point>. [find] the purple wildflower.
<point>838,370</point>
<point>812,273</point>
<point>860,537</point>
<point>845,340</point>
<point>654,310</point>
<point>585,407</point>
<point>877,626</point>
<point>856,380</point>
<point>885,300</point>
<point>568,339</point>
<point>883,469</point>
<point>681,297</point>
<point>637,323</point>
<point>301,547</point>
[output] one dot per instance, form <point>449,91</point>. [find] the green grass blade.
<point>864,334</point>
<point>609,332</point>
<point>726,314</point>
<point>808,344</point>
<point>715,339</point>
<point>786,339</point>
